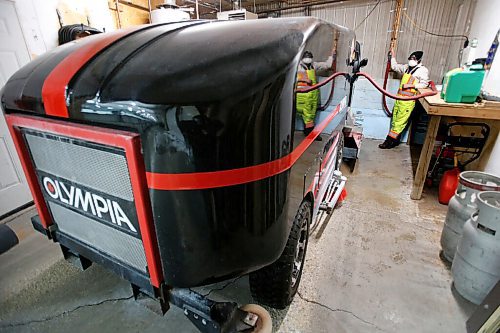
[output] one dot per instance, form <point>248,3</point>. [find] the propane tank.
<point>462,205</point>
<point>476,268</point>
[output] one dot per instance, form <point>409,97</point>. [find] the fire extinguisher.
<point>448,184</point>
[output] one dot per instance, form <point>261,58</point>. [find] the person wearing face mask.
<point>307,103</point>
<point>415,76</point>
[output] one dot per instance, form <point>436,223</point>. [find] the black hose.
<point>386,78</point>
<point>69,33</point>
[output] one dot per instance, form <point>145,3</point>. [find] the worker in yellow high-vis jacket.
<point>307,103</point>
<point>415,76</point>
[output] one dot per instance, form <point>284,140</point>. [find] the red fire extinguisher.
<point>448,184</point>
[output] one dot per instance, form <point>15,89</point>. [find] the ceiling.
<point>209,8</point>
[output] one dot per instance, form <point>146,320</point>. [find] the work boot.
<point>308,130</point>
<point>389,143</point>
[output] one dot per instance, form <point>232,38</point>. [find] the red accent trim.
<point>54,86</point>
<point>312,188</point>
<point>343,195</point>
<point>212,179</point>
<point>128,141</point>
<point>330,151</point>
<point>28,168</point>
<point>324,162</point>
<point>137,173</point>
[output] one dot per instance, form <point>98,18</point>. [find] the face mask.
<point>307,60</point>
<point>412,63</point>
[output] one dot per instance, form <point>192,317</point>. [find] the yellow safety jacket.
<point>304,76</point>
<point>402,109</point>
<point>408,78</point>
<point>307,103</point>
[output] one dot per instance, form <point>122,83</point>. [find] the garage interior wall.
<point>40,25</point>
<point>440,54</point>
<point>445,17</point>
<point>40,22</point>
<point>484,27</point>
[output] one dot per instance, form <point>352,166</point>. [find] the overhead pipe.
<point>312,3</point>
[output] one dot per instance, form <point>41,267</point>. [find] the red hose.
<point>375,84</point>
<point>321,84</point>
<point>401,98</point>
<point>386,78</point>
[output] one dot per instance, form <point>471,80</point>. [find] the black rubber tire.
<point>8,238</point>
<point>340,152</point>
<point>272,285</point>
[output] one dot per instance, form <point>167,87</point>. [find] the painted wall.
<point>40,23</point>
<point>444,16</point>
<point>493,164</point>
<point>485,25</point>
<point>440,54</point>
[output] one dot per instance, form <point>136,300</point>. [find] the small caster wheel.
<point>264,323</point>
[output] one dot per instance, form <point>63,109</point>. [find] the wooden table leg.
<point>425,158</point>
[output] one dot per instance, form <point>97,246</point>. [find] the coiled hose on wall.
<point>71,32</point>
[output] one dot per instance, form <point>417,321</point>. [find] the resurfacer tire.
<point>264,323</point>
<point>276,285</point>
<point>340,151</point>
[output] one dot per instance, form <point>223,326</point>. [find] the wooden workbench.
<point>437,108</point>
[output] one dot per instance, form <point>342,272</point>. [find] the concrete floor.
<point>375,267</point>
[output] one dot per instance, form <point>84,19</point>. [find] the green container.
<point>463,85</point>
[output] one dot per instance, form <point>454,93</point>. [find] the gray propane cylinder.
<point>476,268</point>
<point>462,205</point>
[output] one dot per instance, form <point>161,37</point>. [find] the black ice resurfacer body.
<point>170,155</point>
